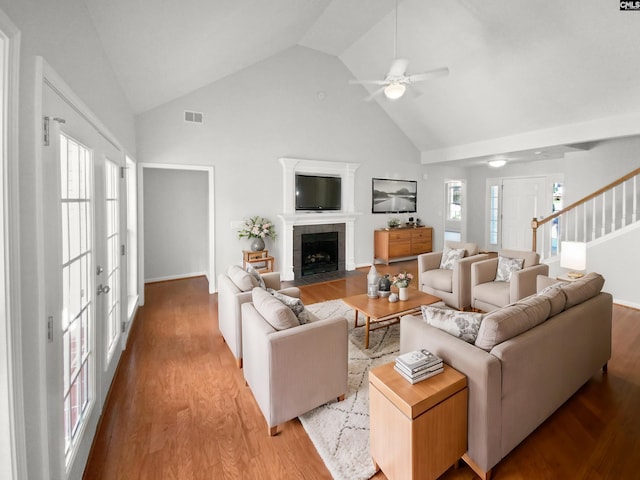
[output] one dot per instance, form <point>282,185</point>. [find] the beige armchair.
<point>296,369</point>
<point>488,294</point>
<point>234,289</point>
<point>452,285</point>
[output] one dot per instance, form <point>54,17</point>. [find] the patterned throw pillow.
<point>297,307</point>
<point>450,256</point>
<point>506,266</point>
<point>464,325</point>
<point>256,275</point>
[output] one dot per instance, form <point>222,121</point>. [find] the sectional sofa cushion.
<point>276,313</point>
<point>463,325</point>
<point>512,320</point>
<point>241,278</point>
<point>582,289</point>
<point>556,297</point>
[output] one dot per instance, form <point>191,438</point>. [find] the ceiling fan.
<point>395,82</point>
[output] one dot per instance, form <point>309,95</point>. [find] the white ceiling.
<point>516,66</point>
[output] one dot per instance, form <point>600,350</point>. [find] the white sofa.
<point>293,368</point>
<point>234,289</point>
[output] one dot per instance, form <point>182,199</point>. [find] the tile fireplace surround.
<point>290,217</point>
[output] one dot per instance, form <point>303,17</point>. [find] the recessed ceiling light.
<point>497,163</point>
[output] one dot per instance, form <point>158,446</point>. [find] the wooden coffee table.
<point>377,310</point>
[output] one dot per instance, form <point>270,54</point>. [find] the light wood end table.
<point>376,310</point>
<point>417,431</point>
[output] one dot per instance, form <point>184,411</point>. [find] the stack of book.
<point>418,365</point>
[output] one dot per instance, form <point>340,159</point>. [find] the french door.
<point>81,189</point>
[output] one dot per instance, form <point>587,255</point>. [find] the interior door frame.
<point>13,460</point>
<point>211,272</point>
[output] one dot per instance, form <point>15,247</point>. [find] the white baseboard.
<point>175,277</point>
<point>624,303</point>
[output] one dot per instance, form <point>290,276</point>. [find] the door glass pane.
<point>77,269</point>
<point>112,298</point>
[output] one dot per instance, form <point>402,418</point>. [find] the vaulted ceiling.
<point>523,74</point>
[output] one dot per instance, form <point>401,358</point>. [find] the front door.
<point>522,200</point>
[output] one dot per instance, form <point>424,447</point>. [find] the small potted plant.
<point>393,222</point>
<point>402,281</point>
<point>257,228</point>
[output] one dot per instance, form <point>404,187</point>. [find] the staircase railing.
<point>604,211</point>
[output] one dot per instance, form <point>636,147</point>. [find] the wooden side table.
<point>260,260</point>
<point>417,431</point>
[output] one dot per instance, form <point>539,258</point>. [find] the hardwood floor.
<point>179,408</point>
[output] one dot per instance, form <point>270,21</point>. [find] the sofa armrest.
<point>429,261</point>
<point>291,291</point>
<point>542,282</point>
<point>523,282</point>
<point>461,281</point>
<point>484,378</point>
<point>484,271</point>
<point>271,280</point>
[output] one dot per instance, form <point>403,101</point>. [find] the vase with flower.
<point>257,229</point>
<point>402,281</point>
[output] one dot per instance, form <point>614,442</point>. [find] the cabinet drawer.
<point>421,235</point>
<point>400,250</point>
<point>399,236</point>
<point>421,247</point>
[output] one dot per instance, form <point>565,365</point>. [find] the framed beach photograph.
<point>393,196</point>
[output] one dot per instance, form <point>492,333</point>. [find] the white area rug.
<point>340,430</point>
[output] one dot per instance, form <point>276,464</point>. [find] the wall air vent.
<point>193,117</point>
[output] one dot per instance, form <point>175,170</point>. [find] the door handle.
<point>103,289</point>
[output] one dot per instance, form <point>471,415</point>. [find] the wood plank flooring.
<point>179,408</point>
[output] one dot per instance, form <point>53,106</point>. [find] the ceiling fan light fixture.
<point>497,163</point>
<point>393,91</point>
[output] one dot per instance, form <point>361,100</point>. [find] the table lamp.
<point>573,255</point>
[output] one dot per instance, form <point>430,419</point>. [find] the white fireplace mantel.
<point>290,217</point>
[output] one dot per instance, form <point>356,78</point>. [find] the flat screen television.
<point>315,192</point>
<point>393,196</point>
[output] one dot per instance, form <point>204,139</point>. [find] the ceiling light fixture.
<point>497,163</point>
<point>395,90</point>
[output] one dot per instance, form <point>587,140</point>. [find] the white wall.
<point>63,34</point>
<point>296,104</point>
<point>176,218</point>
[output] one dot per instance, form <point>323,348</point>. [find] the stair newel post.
<point>534,240</point>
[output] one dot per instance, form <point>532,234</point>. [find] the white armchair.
<point>488,294</point>
<point>296,369</point>
<point>234,289</point>
<point>452,285</point>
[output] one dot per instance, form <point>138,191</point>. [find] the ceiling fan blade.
<point>398,67</point>
<point>377,92</point>
<point>368,82</point>
<point>420,77</point>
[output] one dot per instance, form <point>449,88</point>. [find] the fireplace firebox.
<point>319,253</point>
<point>318,249</point>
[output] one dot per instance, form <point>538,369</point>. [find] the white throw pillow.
<point>241,278</point>
<point>276,313</point>
<point>506,266</point>
<point>450,256</point>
